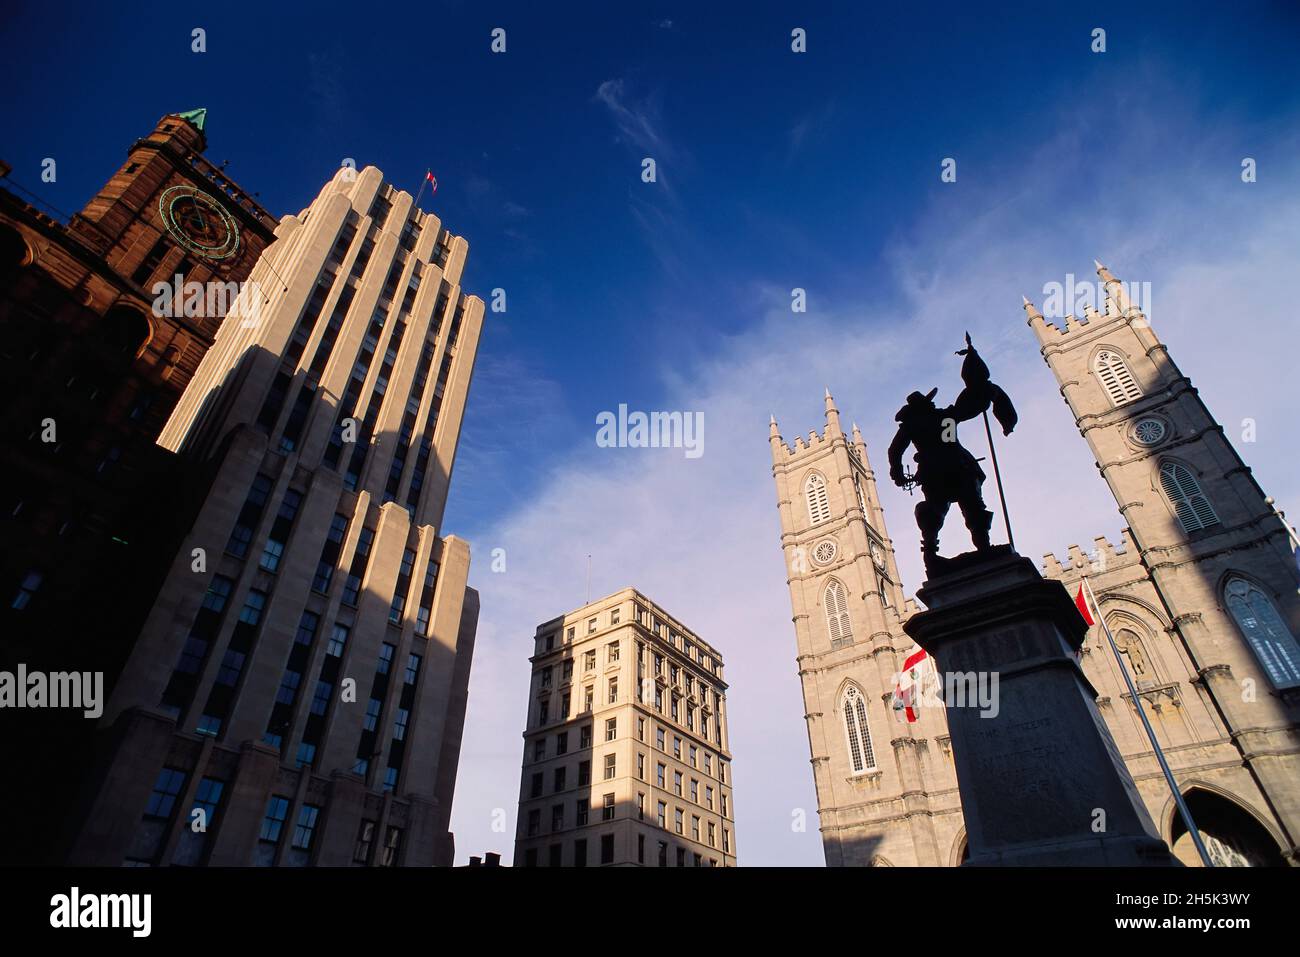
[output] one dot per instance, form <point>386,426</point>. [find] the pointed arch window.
<point>1115,377</point>
<point>837,611</point>
<point>819,504</point>
<point>1265,631</point>
<point>1184,492</point>
<point>854,708</point>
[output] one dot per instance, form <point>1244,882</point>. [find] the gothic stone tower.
<point>1208,617</point>
<point>886,791</point>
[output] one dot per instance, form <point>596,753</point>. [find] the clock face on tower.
<point>198,222</point>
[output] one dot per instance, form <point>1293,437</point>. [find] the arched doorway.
<point>1232,835</point>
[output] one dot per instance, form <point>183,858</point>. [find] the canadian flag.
<point>907,685</point>
<point>1081,603</point>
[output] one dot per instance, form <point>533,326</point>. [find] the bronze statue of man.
<point>945,472</point>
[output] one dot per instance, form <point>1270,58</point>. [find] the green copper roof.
<point>195,117</point>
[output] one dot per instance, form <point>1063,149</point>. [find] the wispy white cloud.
<point>655,207</point>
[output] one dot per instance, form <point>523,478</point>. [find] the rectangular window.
<point>392,847</point>
<point>607,849</point>
<point>562,743</point>
<point>560,775</point>
<point>611,729</point>
<point>660,771</point>
<point>678,824</point>
<point>610,764</point>
<point>338,639</point>
<point>277,810</point>
<point>249,515</point>
<point>166,788</point>
<point>607,808</point>
<point>580,809</point>
<point>365,838</point>
<point>584,736</point>
<point>662,814</point>
<point>306,826</point>
<point>280,529</point>
<point>584,773</point>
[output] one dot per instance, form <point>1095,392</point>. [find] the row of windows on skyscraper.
<point>579,856</point>
<point>193,843</point>
<point>184,681</point>
<point>347,429</point>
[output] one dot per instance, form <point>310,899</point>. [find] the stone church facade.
<point>1201,594</point>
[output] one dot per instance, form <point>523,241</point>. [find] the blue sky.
<point>776,170</point>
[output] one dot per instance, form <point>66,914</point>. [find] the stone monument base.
<point>1042,783</point>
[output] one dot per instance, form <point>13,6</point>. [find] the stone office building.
<point>1201,595</point>
<point>91,369</point>
<point>300,684</point>
<point>626,758</point>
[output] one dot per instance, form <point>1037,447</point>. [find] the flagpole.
<point>997,474</point>
<point>1151,735</point>
<point>421,192</point>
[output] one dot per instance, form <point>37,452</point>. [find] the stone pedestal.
<point>1042,783</point>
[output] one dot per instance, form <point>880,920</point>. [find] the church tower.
<point>1219,557</point>
<point>886,791</point>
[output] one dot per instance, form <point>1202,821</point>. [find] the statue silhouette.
<point>946,472</point>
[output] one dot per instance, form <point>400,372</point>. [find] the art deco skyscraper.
<point>300,685</point>
<point>626,753</point>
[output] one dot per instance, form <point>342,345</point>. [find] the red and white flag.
<point>1081,603</point>
<point>907,687</point>
<point>428,174</point>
